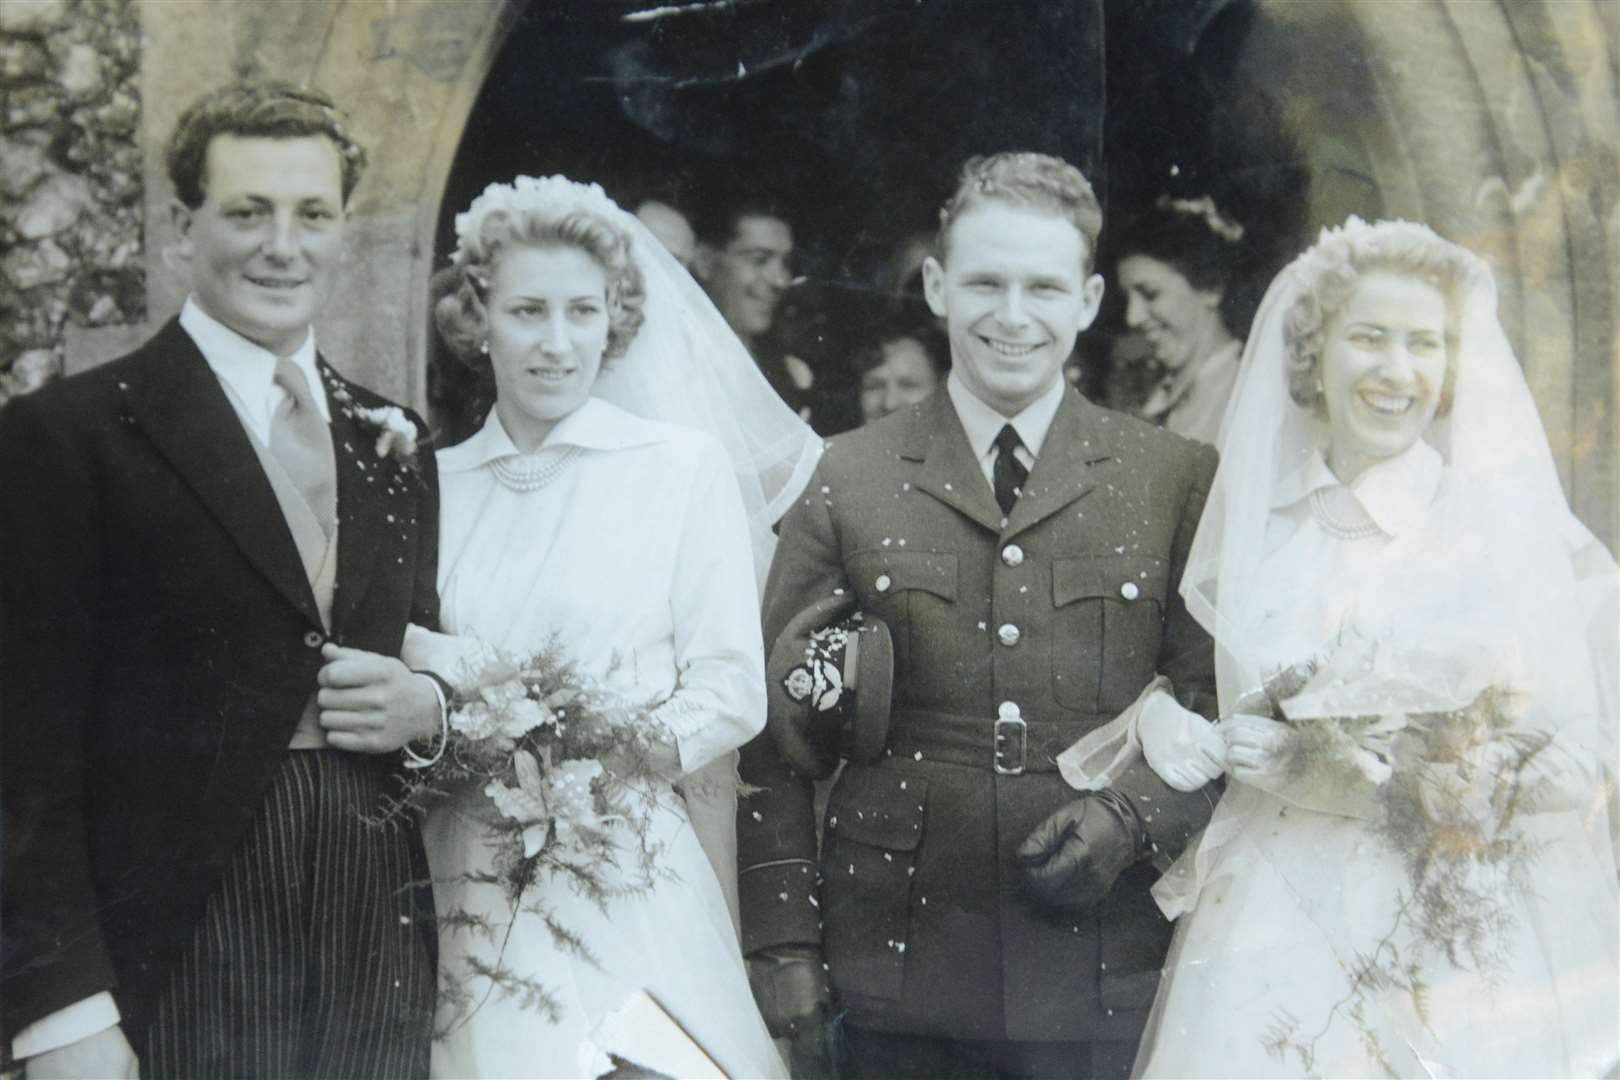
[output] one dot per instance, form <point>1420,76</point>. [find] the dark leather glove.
<point>790,988</point>
<point>1071,859</point>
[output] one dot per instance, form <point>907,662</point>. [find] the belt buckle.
<point>1010,727</point>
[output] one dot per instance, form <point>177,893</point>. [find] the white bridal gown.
<point>1285,900</point>
<point>635,553</point>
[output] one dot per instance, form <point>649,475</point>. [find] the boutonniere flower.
<point>396,435</point>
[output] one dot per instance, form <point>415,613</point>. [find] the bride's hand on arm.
<point>1254,746</point>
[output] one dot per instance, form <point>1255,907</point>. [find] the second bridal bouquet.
<point>566,766</point>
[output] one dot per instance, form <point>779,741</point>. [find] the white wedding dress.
<point>1286,898</point>
<point>636,553</point>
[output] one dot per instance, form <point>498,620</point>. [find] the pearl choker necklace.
<point>531,472</point>
<point>1338,527</point>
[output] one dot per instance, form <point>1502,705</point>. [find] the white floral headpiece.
<point>1204,209</point>
<point>550,196</point>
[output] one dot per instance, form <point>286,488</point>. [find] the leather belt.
<point>1008,745</point>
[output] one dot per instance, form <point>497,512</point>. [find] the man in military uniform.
<point>977,916</point>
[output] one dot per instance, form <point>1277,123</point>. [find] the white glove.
<point>1181,746</point>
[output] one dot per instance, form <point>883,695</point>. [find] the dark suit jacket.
<point>158,641</point>
<point>925,927</point>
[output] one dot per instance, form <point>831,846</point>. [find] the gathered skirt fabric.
<point>673,939</point>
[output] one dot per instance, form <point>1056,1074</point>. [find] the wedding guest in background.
<point>976,917</point>
<point>906,362</point>
<point>671,227</point>
<point>1175,262</point>
<point>1411,871</point>
<point>745,261</point>
<point>187,534</point>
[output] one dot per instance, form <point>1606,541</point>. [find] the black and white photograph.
<point>816,539</point>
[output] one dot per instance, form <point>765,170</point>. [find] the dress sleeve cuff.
<point>80,1020</point>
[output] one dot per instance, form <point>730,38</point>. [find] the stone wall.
<point>71,179</point>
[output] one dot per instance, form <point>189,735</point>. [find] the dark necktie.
<point>1009,474</point>
<point>302,443</point>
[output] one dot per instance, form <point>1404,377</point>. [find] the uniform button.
<point>1008,634</point>
<point>882,583</point>
<point>313,639</point>
<point>1012,554</point>
<point>1129,590</point>
<point>1008,710</point>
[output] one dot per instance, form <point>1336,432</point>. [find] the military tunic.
<point>1012,638</point>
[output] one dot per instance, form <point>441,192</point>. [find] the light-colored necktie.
<point>302,443</point>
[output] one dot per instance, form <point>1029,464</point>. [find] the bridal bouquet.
<point>565,763</point>
<point>1435,743</point>
<point>567,768</point>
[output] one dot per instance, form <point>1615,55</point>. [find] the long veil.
<point>1499,579</point>
<point>686,366</point>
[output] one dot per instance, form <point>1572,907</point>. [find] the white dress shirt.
<point>983,423</point>
<point>247,370</point>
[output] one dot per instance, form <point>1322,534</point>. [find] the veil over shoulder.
<point>1293,896</point>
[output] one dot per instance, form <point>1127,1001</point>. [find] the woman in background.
<point>1175,263</point>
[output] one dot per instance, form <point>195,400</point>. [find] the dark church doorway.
<point>855,115</point>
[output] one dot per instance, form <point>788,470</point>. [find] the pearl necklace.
<point>531,472</point>
<point>1337,527</point>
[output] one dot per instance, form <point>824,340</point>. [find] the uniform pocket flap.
<point>1126,578</point>
<point>884,571</point>
<point>878,807</point>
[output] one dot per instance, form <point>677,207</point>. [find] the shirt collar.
<point>1395,491</point>
<point>247,368</point>
<point>595,425</point>
<point>983,423</point>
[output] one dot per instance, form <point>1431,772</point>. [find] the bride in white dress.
<point>1386,493</point>
<point>579,511</point>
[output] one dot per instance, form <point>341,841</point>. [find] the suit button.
<point>1009,710</point>
<point>1012,555</point>
<point>1129,590</point>
<point>882,583</point>
<point>1008,634</point>
<point>313,639</point>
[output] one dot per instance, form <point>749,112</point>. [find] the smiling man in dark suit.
<point>976,916</point>
<point>192,538</point>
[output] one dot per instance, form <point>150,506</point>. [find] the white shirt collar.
<point>983,423</point>
<point>247,370</point>
<point>1395,492</point>
<point>595,425</point>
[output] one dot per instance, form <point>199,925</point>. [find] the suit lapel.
<point>948,470</point>
<point>177,400</point>
<point>1075,449</point>
<point>363,483</point>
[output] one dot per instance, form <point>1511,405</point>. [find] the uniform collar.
<point>248,368</point>
<point>1395,492</point>
<point>982,423</point>
<point>595,425</point>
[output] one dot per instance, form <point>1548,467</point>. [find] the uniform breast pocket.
<point>914,592</point>
<point>1109,612</point>
<point>874,824</point>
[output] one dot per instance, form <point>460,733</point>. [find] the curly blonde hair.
<point>461,315</point>
<point>1330,271</point>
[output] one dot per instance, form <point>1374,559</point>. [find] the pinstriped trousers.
<point>314,957</point>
